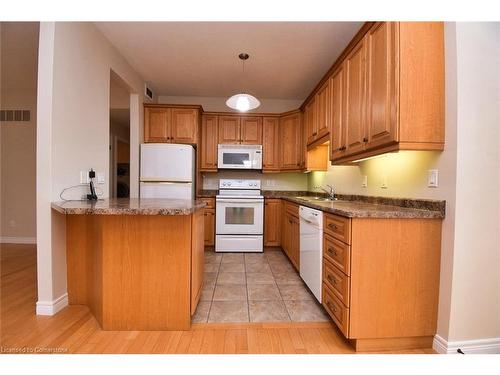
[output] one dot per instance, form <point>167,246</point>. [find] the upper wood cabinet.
<point>292,147</point>
<point>208,147</point>
<point>337,132</point>
<point>323,111</point>
<point>270,144</point>
<point>354,121</point>
<point>171,124</point>
<point>381,87</point>
<point>310,123</point>
<point>240,130</point>
<point>229,129</point>
<point>156,122</point>
<point>251,130</point>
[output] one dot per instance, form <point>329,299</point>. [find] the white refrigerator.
<point>167,171</point>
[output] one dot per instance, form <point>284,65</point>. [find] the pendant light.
<point>243,102</point>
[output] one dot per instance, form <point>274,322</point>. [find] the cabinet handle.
<point>341,148</point>
<point>315,133</point>
<point>331,307</point>
<point>365,139</point>
<point>332,226</point>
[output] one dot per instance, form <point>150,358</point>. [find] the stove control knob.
<point>228,184</point>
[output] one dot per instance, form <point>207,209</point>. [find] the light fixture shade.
<point>243,102</point>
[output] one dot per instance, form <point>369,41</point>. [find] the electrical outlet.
<point>384,185</point>
<point>365,181</point>
<point>432,178</point>
<point>100,178</point>
<point>84,177</point>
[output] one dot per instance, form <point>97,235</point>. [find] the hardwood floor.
<point>75,330</point>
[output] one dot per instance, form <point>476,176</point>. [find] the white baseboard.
<point>482,346</point>
<point>19,240</point>
<point>52,307</point>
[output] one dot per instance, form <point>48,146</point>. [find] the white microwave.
<point>239,156</point>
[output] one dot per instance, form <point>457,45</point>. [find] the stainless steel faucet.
<point>331,193</point>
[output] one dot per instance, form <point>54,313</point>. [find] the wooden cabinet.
<point>337,133</point>
<point>229,129</point>
<point>387,93</point>
<point>209,138</point>
<point>323,107</point>
<point>272,222</point>
<point>156,122</point>
<point>292,149</point>
<point>251,130</point>
<point>197,258</point>
<point>310,121</point>
<point>381,88</point>
<point>171,124</point>
<point>240,130</point>
<point>209,221</point>
<point>372,269</point>
<point>290,233</point>
<point>354,121</point>
<point>270,144</point>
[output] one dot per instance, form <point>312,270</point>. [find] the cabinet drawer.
<point>209,201</point>
<point>339,227</point>
<point>292,208</point>
<point>338,253</point>
<point>338,282</point>
<point>337,311</point>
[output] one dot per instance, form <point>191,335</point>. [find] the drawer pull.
<point>333,251</point>
<point>333,308</point>
<point>333,280</point>
<point>332,226</point>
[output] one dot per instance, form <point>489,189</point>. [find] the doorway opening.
<point>119,137</point>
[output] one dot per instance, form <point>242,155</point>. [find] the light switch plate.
<point>432,178</point>
<point>365,181</point>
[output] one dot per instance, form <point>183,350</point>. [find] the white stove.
<point>239,216</point>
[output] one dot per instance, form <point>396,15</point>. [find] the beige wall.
<point>75,62</point>
<point>271,181</point>
<point>475,291</point>
<point>18,82</point>
<point>218,104</point>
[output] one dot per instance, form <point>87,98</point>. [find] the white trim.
<point>482,346</point>
<point>18,240</point>
<point>52,307</point>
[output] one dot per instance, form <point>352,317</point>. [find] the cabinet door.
<point>337,133</point>
<point>197,259</point>
<point>295,242</point>
<point>209,137</point>
<point>229,129</point>
<point>323,109</point>
<point>272,222</point>
<point>287,232</point>
<point>209,221</point>
<point>251,130</point>
<point>184,125</point>
<point>156,124</point>
<point>354,66</point>
<point>310,121</point>
<point>270,144</point>
<point>381,117</point>
<point>292,151</point>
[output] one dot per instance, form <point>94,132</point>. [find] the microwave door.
<point>234,160</point>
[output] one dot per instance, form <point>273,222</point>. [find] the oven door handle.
<point>222,200</point>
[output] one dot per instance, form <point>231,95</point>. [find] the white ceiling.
<point>287,59</point>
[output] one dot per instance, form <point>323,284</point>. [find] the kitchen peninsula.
<point>136,263</point>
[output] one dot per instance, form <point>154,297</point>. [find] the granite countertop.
<point>361,206</point>
<point>129,206</point>
<point>360,209</point>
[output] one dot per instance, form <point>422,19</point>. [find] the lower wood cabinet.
<point>197,258</point>
<point>272,222</point>
<point>209,221</point>
<point>290,239</point>
<point>381,280</point>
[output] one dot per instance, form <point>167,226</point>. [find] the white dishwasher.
<point>311,249</point>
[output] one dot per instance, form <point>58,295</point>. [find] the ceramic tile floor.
<point>252,287</point>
